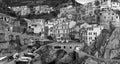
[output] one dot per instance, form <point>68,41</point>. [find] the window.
<point>57,47</point>
<point>91,28</point>
<point>116,16</point>
<point>50,30</point>
<point>62,27</point>
<point>62,38</point>
<point>70,47</point>
<point>90,42</point>
<point>100,13</point>
<point>58,31</point>
<point>63,35</point>
<point>5,19</point>
<point>112,13</point>
<point>90,38</point>
<point>90,33</point>
<point>64,47</point>
<point>58,38</point>
<point>95,38</point>
<point>95,33</point>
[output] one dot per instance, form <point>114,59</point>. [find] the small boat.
<point>2,58</point>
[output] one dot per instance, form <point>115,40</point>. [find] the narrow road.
<point>81,53</point>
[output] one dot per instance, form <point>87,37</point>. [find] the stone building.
<point>61,30</point>
<point>109,16</point>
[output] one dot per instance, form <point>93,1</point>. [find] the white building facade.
<point>62,30</point>
<point>92,33</point>
<point>50,25</point>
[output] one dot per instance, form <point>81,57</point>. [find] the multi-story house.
<point>50,25</point>
<point>50,32</point>
<point>62,30</point>
<point>38,26</point>
<point>109,16</point>
<point>112,4</point>
<point>90,32</point>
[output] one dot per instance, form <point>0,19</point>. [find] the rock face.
<point>90,61</point>
<point>112,49</point>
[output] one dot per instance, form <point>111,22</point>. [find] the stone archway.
<point>60,53</point>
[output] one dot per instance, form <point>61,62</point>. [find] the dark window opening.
<point>64,47</point>
<point>116,16</point>
<point>57,47</point>
<point>70,47</point>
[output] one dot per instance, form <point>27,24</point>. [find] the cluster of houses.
<point>25,10</point>
<point>64,25</point>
